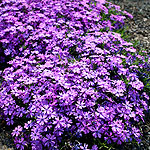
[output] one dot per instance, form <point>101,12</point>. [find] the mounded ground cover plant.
<point>72,82</point>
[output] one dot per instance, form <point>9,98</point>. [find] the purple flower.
<point>21,144</point>
<point>94,147</point>
<point>117,126</point>
<point>17,131</point>
<point>59,122</point>
<point>84,147</point>
<point>42,119</point>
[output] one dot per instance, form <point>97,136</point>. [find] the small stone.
<point>4,147</point>
<point>145,38</point>
<point>144,19</point>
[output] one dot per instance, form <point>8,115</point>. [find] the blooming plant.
<point>72,81</point>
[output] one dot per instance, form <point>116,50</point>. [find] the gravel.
<point>139,26</point>
<point>139,30</point>
<point>6,141</point>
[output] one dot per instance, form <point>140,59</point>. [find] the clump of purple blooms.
<point>71,82</point>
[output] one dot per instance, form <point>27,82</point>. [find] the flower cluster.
<point>71,76</point>
<point>46,25</point>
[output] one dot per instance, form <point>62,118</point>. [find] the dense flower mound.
<point>71,83</point>
<point>46,25</point>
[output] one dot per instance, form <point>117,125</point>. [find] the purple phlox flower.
<point>4,41</point>
<point>139,111</point>
<point>21,143</point>
<point>78,133</point>
<point>120,88</point>
<point>37,145</point>
<point>103,84</point>
<point>65,97</point>
<point>101,113</point>
<point>7,52</point>
<point>28,124</point>
<point>146,96</point>
<point>131,49</point>
<point>20,111</point>
<point>47,110</point>
<point>85,127</point>
<point>42,119</point>
<point>84,147</point>
<point>132,114</point>
<point>122,71</point>
<point>136,132</point>
<point>128,14</point>
<point>117,126</point>
<point>17,131</point>
<point>35,133</point>
<point>80,104</point>
<point>128,105</point>
<point>49,140</point>
<point>97,134</point>
<point>124,112</point>
<point>94,147</point>
<point>68,122</point>
<point>59,122</point>
<point>10,120</point>
<point>137,84</point>
<point>114,61</point>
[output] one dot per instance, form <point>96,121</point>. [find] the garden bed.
<point>138,32</point>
